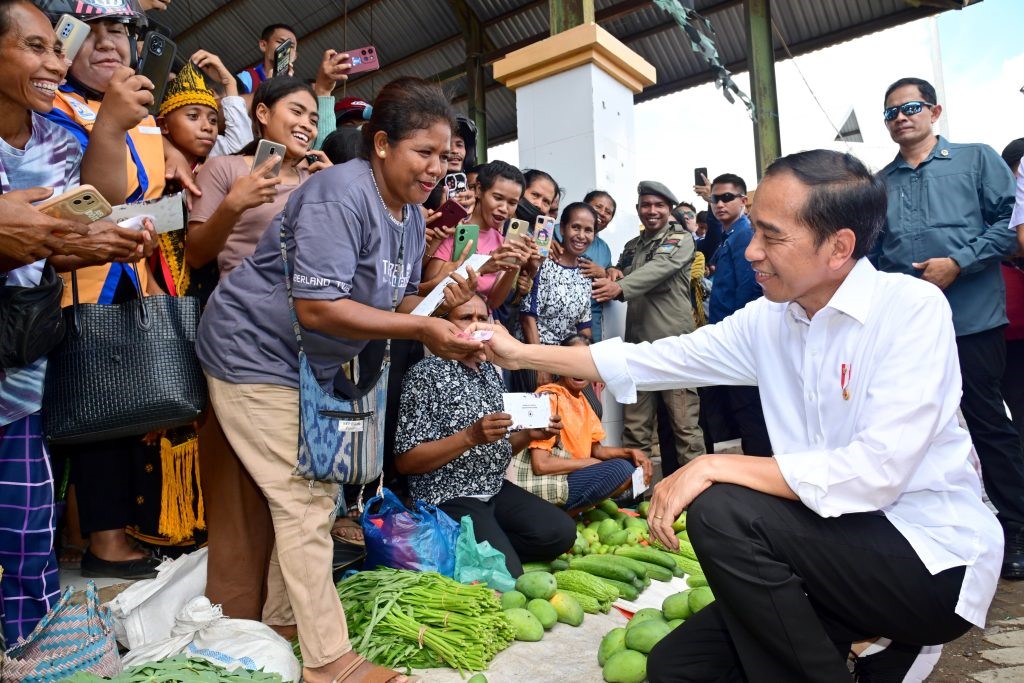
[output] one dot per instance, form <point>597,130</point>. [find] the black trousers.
<point>793,590</point>
<point>735,411</point>
<point>1013,383</point>
<point>982,361</point>
<point>521,525</point>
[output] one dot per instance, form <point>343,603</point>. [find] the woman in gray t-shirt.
<point>355,239</point>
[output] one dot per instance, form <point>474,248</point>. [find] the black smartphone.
<point>157,58</point>
<point>700,175</point>
<point>283,57</point>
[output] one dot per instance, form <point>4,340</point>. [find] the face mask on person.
<point>527,211</point>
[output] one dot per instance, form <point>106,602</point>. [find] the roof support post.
<point>476,85</point>
<point>767,142</point>
<point>567,14</point>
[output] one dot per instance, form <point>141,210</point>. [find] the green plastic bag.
<point>479,561</point>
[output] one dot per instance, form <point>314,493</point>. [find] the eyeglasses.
<point>725,197</point>
<point>908,109</point>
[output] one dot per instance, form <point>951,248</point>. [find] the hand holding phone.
<point>451,213</point>
<point>363,59</point>
<point>71,32</point>
<point>700,176</point>
<point>155,64</point>
<point>464,234</point>
<point>543,230</point>
<point>82,204</point>
<point>283,57</point>
<point>266,150</point>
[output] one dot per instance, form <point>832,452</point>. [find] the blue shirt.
<point>735,285</point>
<point>956,203</point>
<point>245,78</point>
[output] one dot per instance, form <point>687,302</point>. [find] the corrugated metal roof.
<point>424,38</point>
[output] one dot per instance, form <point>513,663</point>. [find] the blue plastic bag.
<point>423,539</point>
<point>480,561</point>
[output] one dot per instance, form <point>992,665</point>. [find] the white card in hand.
<point>167,213</point>
<point>638,482</point>
<point>528,411</point>
<point>434,298</point>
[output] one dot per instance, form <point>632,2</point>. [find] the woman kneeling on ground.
<point>454,444</point>
<point>573,469</point>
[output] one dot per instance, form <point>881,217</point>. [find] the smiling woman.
<point>353,236</point>
<point>239,201</point>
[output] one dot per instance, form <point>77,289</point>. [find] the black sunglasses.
<point>725,197</point>
<point>908,109</point>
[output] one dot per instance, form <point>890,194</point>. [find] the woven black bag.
<point>123,369</point>
<point>30,320</point>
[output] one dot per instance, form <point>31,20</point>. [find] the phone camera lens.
<point>158,47</point>
<point>87,198</point>
<point>77,202</point>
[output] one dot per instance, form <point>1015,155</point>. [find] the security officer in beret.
<point>653,275</point>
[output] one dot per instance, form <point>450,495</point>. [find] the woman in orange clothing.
<point>591,471</point>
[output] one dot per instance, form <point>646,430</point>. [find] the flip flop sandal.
<point>70,556</point>
<point>362,670</point>
<point>347,530</point>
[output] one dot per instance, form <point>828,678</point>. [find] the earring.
<point>381,153</point>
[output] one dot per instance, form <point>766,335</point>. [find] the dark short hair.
<point>577,338</point>
<point>594,194</point>
<point>489,173</point>
<point>343,145</point>
<point>404,106</point>
<point>926,89</point>
<point>731,179</point>
<point>1013,152</point>
<point>843,194</point>
<point>690,206</point>
<point>576,206</point>
<point>702,217</point>
<point>532,175</point>
<point>269,30</point>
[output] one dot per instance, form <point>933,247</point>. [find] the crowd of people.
<point>789,323</point>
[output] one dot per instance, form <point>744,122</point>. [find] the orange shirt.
<point>581,427</point>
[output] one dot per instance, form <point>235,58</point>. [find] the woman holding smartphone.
<point>499,188</point>
<point>238,200</point>
<point>354,237</point>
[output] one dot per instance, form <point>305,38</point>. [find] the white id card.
<point>638,482</point>
<point>167,213</point>
<point>433,299</point>
<point>528,411</point>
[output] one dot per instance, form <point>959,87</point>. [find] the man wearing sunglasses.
<point>948,223</point>
<point>733,409</point>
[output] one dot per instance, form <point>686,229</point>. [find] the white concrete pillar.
<point>574,111</point>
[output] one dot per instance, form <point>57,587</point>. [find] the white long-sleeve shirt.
<point>893,445</point>
<point>237,127</point>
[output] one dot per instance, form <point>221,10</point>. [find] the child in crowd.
<point>234,125</point>
<point>188,115</point>
<point>573,470</point>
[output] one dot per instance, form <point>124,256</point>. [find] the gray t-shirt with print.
<point>341,245</point>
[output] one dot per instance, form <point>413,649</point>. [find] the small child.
<point>189,114</point>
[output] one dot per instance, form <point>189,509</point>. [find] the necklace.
<point>405,211</point>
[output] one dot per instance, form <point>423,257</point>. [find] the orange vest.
<point>149,147</point>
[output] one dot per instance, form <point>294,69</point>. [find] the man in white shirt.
<point>868,522</point>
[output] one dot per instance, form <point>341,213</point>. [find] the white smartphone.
<point>71,33</point>
<point>265,150</point>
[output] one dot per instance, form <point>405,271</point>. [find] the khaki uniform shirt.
<point>656,283</point>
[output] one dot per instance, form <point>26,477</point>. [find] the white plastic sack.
<point>145,612</point>
<point>201,630</point>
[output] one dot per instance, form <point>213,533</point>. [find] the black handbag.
<point>31,323</point>
<point>124,369</point>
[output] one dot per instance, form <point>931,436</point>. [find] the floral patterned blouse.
<point>442,397</point>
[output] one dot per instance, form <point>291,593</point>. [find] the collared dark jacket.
<point>956,203</point>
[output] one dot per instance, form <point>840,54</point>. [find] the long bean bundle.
<point>423,620</point>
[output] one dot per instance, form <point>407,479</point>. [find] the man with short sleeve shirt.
<point>948,223</point>
<point>653,276</point>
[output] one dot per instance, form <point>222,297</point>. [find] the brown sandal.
<point>362,670</point>
<point>348,530</point>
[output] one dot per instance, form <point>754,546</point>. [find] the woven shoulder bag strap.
<point>291,298</point>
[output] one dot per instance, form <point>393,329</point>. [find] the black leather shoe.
<point>94,567</point>
<point>1013,556</point>
<point>891,665</point>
